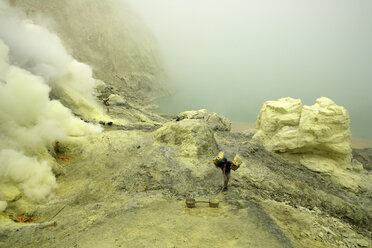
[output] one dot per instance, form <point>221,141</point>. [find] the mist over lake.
<point>232,56</point>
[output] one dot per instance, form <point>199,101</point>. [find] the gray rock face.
<point>109,37</point>
<point>215,121</point>
<point>364,156</point>
<point>126,187</point>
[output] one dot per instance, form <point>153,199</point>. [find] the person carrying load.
<point>226,166</point>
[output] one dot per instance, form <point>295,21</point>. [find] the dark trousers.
<point>226,178</point>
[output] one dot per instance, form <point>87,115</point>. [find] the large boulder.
<point>215,121</point>
<point>318,131</point>
<point>194,138</point>
<point>275,115</point>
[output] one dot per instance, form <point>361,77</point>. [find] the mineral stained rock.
<point>122,53</point>
<point>319,133</point>
<point>274,115</point>
<point>194,137</point>
<point>116,98</point>
<point>215,121</point>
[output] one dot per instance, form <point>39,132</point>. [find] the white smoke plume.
<point>34,178</point>
<point>31,60</point>
<point>41,52</point>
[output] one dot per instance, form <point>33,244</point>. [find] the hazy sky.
<point>232,55</point>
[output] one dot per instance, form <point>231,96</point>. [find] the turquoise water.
<point>244,106</point>
<point>232,56</point>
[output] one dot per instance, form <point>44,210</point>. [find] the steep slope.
<point>107,36</point>
<point>128,189</point>
<point>126,186</point>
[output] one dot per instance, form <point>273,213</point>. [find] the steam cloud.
<point>251,51</point>
<point>35,49</point>
<point>32,62</point>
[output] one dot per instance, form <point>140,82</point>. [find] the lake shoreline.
<point>356,142</point>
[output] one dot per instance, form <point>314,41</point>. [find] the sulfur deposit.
<point>194,138</point>
<point>30,121</point>
<point>319,134</point>
<point>69,178</point>
<point>215,121</point>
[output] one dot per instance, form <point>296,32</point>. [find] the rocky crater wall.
<point>110,38</point>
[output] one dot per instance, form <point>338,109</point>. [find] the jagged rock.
<point>194,137</point>
<point>274,115</point>
<point>356,165</point>
<point>116,98</point>
<point>321,130</point>
<point>215,121</point>
<point>102,90</point>
<point>101,87</point>
<point>364,156</point>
